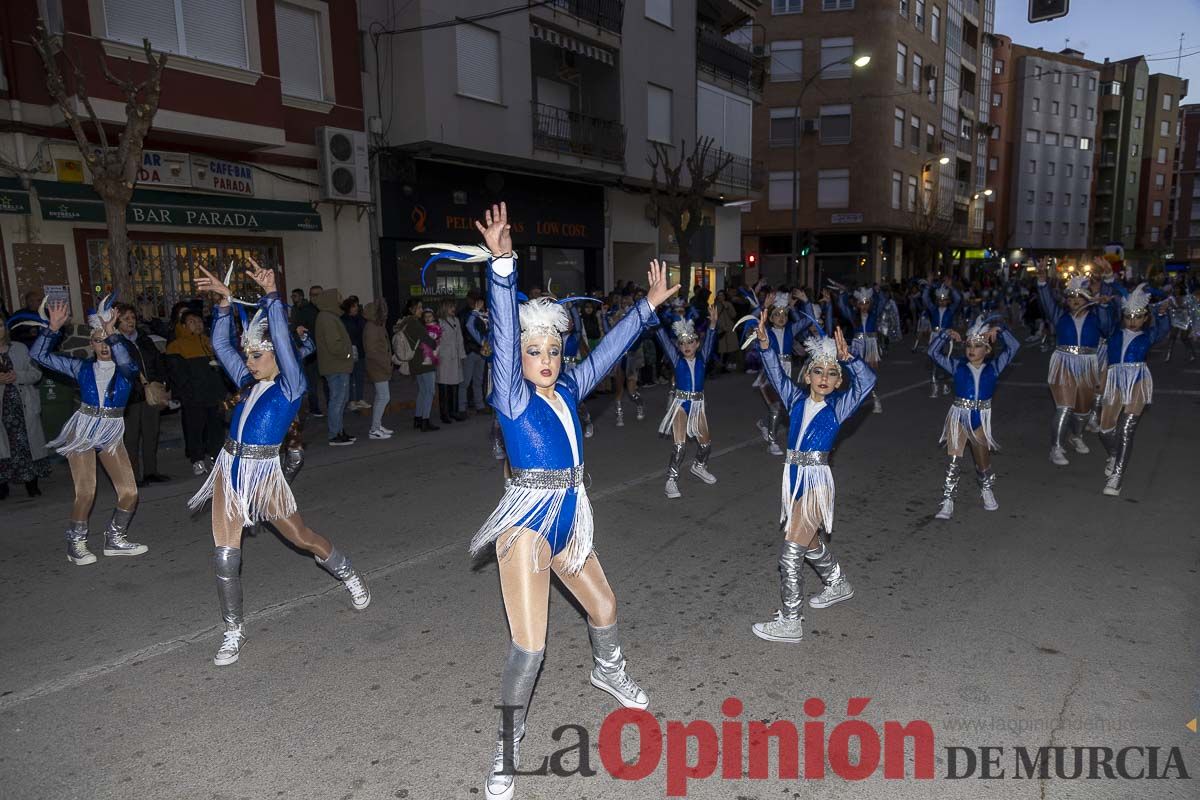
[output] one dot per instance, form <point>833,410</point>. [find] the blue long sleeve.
<point>473,328</point>
<point>843,307</point>
<point>789,393</point>
<point>43,353</point>
<point>862,382</point>
<point>307,347</point>
<point>1108,317</point>
<point>668,346</point>
<point>1050,306</point>
<point>614,345</point>
<point>710,344</point>
<point>223,333</point>
<point>1160,328</point>
<point>119,346</point>
<point>937,351</point>
<point>1011,346</point>
<point>291,376</point>
<point>510,393</point>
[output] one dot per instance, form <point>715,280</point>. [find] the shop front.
<point>557,229</point>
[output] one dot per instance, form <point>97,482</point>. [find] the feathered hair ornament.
<point>543,316</point>
<point>104,313</point>
<point>863,294</point>
<point>779,301</point>
<point>255,336</point>
<point>685,331</point>
<point>1078,285</point>
<point>465,253</point>
<point>821,351</point>
<point>942,292</point>
<point>977,331</point>
<point>1137,303</point>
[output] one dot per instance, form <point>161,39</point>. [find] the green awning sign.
<point>65,202</point>
<point>14,199</point>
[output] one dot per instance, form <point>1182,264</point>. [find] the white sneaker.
<point>1058,456</point>
<point>933,391</point>
<point>621,686</point>
<point>833,593</point>
<point>878,407</point>
<point>762,430</point>
<point>946,511</point>
<point>790,631</point>
<point>231,645</point>
<point>379,434</point>
<point>671,489</point>
<point>989,500</point>
<point>701,472</point>
<point>1079,445</point>
<point>620,419</point>
<point>360,595</point>
<point>388,431</point>
<point>500,785</point>
<point>641,411</point>
<point>945,389</point>
<point>774,449</point>
<point>1108,465</point>
<point>588,431</point>
<point>1112,486</point>
<point>199,468</point>
<point>1093,426</point>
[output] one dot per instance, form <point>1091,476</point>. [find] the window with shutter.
<point>658,114</point>
<point>779,190</point>
<point>659,11</point>
<point>833,188</point>
<point>208,30</point>
<point>787,60</point>
<point>478,58</point>
<point>835,124</point>
<point>299,37</point>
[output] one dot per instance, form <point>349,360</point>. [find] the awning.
<point>75,202</point>
<point>14,199</point>
<point>559,39</point>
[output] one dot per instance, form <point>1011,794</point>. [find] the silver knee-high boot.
<point>1078,425</point>
<point>772,429</point>
<point>516,689</point>
<point>609,671</point>
<point>77,549</point>
<point>338,565</point>
<point>1058,432</point>
<point>227,566</point>
<point>1126,426</point>
<point>1109,438</point>
<point>788,625</point>
<point>987,479</point>
<point>700,464</point>
<point>837,588</point>
<point>293,460</point>
<point>672,487</point>
<point>115,543</point>
<point>949,487</point>
<point>1093,421</point>
<point>638,406</point>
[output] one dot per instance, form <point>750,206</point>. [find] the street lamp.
<point>858,61</point>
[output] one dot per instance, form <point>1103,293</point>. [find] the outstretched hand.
<point>761,330</point>
<point>842,349</point>
<point>497,233</point>
<point>955,336</point>
<point>264,277</point>
<point>211,283</point>
<point>60,312</point>
<point>656,278</point>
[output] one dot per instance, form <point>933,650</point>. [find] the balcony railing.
<point>967,100</point>
<point>570,132</point>
<point>724,59</point>
<point>740,173</point>
<point>1110,131</point>
<point>1105,188</point>
<point>969,54</point>
<point>607,14</point>
<point>1108,161</point>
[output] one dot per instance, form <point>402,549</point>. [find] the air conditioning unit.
<point>811,126</point>
<point>930,71</point>
<point>344,169</point>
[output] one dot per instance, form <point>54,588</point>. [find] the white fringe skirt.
<point>1082,368</point>
<point>813,487</point>
<point>91,428</point>
<point>865,347</point>
<point>540,493</point>
<point>252,483</point>
<point>1126,378</point>
<point>695,413</point>
<point>958,429</point>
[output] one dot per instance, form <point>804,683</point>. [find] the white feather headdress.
<point>685,330</point>
<point>1137,303</point>
<point>256,337</point>
<point>542,316</point>
<point>779,300</point>
<point>821,350</point>
<point>863,294</point>
<point>1078,284</point>
<point>942,292</point>
<point>103,313</point>
<point>977,331</point>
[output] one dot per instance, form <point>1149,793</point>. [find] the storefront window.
<point>164,273</point>
<point>563,270</point>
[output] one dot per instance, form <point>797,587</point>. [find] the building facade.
<point>1160,140</point>
<point>858,151</point>
<point>231,162</point>
<point>555,108</point>
<point>1185,244</point>
<point>1122,122</point>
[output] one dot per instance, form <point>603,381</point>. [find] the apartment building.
<point>1160,139</point>
<point>1185,244</point>
<point>556,109</point>
<point>857,150</point>
<point>1122,133</point>
<point>231,163</point>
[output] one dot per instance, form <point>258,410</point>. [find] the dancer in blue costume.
<point>544,518</point>
<point>248,483</point>
<point>864,319</point>
<point>784,330</point>
<point>686,415</point>
<point>1128,385</point>
<point>969,420</point>
<point>1080,321</point>
<point>97,429</point>
<point>816,410</point>
<point>941,309</point>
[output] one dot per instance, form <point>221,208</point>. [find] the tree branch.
<point>58,91</point>
<point>81,94</point>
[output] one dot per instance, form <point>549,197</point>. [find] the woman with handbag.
<point>147,398</point>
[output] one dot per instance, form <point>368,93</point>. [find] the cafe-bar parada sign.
<point>160,168</point>
<point>215,175</point>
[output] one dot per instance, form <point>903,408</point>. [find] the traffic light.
<point>751,260</point>
<point>808,245</point>
<point>1044,10</point>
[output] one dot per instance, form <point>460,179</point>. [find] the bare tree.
<point>931,232</point>
<point>114,169</point>
<point>681,199</point>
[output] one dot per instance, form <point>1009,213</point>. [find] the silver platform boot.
<point>933,380</point>
<point>837,588</point>
<point>498,451</point>
<point>77,549</point>
<point>772,428</point>
<point>878,408</point>
<point>1109,439</point>
<point>293,460</point>
<point>516,688</point>
<point>1058,432</point>
<point>1078,425</point>
<point>338,565</point>
<point>788,625</point>
<point>638,405</point>
<point>949,487</point>
<point>115,543</point>
<point>609,673</point>
<point>620,415</point>
<point>987,479</point>
<point>700,464</point>
<point>227,566</point>
<point>1126,426</point>
<point>672,487</point>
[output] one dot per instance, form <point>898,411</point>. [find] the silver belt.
<point>99,411</point>
<point>681,396</point>
<point>569,478</point>
<point>974,405</point>
<point>260,452</point>
<point>1076,350</point>
<point>807,458</point>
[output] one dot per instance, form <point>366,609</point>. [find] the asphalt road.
<point>1066,618</point>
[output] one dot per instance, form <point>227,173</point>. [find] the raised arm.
<point>789,393</point>
<point>291,376</point>
<point>1050,305</point>
<point>126,365</point>
<point>223,333</point>
<point>473,328</point>
<point>1011,346</point>
<point>709,345</point>
<point>1108,315</point>
<point>615,344</point>
<point>307,346</point>
<point>862,381</point>
<point>937,351</point>
<point>668,346</point>
<point>843,307</point>
<point>1160,323</point>
<point>510,393</point>
<point>43,353</point>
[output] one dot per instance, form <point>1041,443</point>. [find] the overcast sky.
<point>1116,29</point>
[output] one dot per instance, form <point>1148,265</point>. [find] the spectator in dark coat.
<point>354,321</point>
<point>141,418</point>
<point>196,382</point>
<point>304,315</point>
